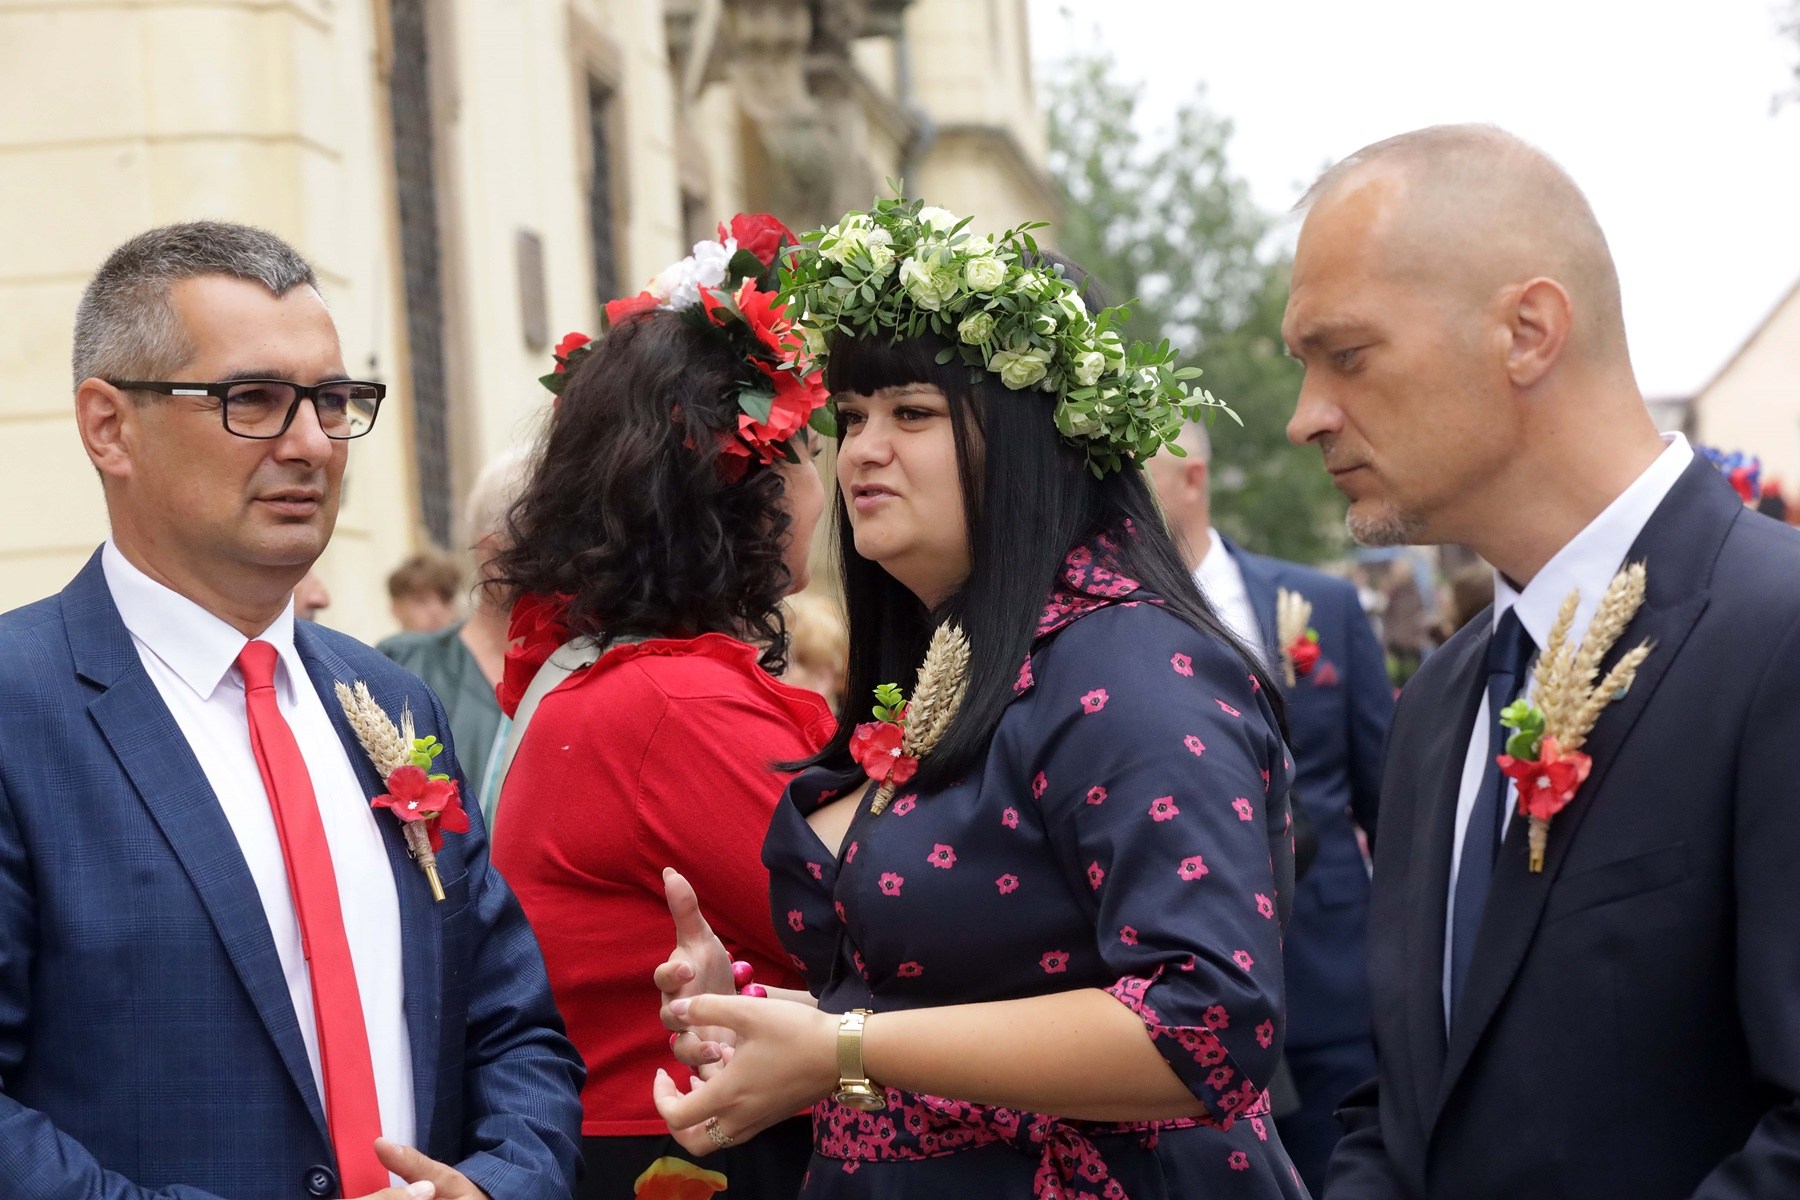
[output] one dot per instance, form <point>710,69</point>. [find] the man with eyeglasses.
<point>220,972</point>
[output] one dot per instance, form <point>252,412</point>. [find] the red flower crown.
<point>729,286</point>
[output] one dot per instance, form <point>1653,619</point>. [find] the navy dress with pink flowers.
<point>1126,830</point>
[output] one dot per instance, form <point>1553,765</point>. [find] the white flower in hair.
<point>679,285</point>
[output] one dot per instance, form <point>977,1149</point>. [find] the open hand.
<point>783,1058</point>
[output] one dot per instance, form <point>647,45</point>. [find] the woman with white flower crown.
<point>1038,903</point>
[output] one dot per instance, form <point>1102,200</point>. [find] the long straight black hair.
<point>1028,499</point>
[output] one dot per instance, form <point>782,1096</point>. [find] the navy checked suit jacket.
<point>1338,721</point>
<point>1630,1027</point>
<point>148,1045</point>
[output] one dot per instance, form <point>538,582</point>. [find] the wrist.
<point>854,1087</point>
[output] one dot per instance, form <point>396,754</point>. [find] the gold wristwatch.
<point>854,1089</point>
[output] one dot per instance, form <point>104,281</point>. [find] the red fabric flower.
<point>628,306</point>
<point>795,396</point>
<point>535,632</point>
<point>571,342</point>
<point>1548,783</point>
<point>1305,654</point>
<point>413,795</point>
<point>760,234</point>
<point>876,748</point>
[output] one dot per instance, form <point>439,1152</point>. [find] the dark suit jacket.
<point>1630,1027</point>
<point>1338,721</point>
<point>147,1039</point>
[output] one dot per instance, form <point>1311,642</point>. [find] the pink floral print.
<point>1010,818</point>
<point>1192,867</point>
<point>1195,746</point>
<point>1096,795</point>
<point>1008,884</point>
<point>1095,700</point>
<point>905,804</point>
<point>796,920</point>
<point>1054,962</point>
<point>1163,809</point>
<point>891,883</point>
<point>942,856</point>
<point>1183,664</point>
<point>1246,811</point>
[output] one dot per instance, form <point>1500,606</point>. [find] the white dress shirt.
<point>1222,583</point>
<point>191,656</point>
<point>1586,563</point>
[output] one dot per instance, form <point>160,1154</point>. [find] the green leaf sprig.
<point>889,701</point>
<point>425,751</point>
<point>1527,719</point>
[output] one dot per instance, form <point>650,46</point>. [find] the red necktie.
<point>351,1110</point>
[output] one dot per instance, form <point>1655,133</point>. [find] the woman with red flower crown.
<point>671,512</point>
<point>1049,967</point>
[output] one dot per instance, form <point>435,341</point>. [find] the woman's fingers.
<point>727,1012</point>
<point>685,1113</point>
<point>672,976</point>
<point>690,927</point>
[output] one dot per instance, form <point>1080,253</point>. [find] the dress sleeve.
<point>1154,775</point>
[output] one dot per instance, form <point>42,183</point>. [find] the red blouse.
<point>659,755</point>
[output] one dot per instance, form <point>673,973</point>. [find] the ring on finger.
<point>720,1138</point>
<point>677,1036</point>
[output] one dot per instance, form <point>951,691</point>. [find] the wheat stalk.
<point>389,747</point>
<point>1293,613</point>
<point>1552,664</point>
<point>943,682</point>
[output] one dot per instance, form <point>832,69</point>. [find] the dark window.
<point>600,191</point>
<point>420,257</point>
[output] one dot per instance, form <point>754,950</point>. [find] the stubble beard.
<point>1385,526</point>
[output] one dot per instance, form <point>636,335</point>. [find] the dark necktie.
<point>1509,653</point>
<point>352,1113</point>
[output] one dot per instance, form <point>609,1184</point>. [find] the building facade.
<point>1753,404</point>
<point>472,179</point>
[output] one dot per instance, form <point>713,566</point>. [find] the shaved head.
<point>1472,209</point>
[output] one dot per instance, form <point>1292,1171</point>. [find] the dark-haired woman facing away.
<point>671,511</point>
<point>1051,967</point>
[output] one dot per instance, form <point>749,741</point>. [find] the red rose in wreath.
<point>571,342</point>
<point>415,796</point>
<point>760,234</point>
<point>629,306</point>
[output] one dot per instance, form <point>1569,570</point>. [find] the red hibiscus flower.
<point>1547,784</point>
<point>876,748</point>
<point>414,796</point>
<point>760,234</point>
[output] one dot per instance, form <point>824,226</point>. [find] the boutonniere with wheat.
<point>1543,755</point>
<point>426,803</point>
<point>904,731</point>
<point>1299,641</point>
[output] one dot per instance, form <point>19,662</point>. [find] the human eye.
<point>913,414</point>
<point>848,418</point>
<point>1348,358</point>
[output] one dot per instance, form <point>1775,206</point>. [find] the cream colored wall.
<point>277,115</point>
<point>1754,404</point>
<point>117,118</point>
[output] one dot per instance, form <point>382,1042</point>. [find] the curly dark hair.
<point>626,511</point>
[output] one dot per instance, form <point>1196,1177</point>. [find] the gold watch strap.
<point>854,1088</point>
<point>849,1047</point>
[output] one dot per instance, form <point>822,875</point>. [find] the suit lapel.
<point>1259,583</point>
<point>155,755</point>
<point>1679,545</point>
<point>420,945</point>
<point>1441,747</point>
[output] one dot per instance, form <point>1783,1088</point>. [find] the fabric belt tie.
<point>1509,654</point>
<point>352,1111</point>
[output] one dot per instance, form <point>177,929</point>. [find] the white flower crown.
<point>905,269</point>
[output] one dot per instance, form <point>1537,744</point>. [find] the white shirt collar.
<point>200,648</point>
<point>1592,557</point>
<point>1217,573</point>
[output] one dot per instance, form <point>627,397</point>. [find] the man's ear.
<point>108,420</point>
<point>1194,473</point>
<point>1538,316</point>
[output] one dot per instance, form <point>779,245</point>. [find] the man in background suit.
<point>220,972</point>
<point>1338,712</point>
<point>1623,1024</point>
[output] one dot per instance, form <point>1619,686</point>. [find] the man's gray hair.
<point>126,326</point>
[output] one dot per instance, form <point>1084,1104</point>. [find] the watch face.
<point>861,1100</point>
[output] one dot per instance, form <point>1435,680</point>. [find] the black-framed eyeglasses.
<point>264,408</point>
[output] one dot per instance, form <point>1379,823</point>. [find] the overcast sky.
<point>1660,109</point>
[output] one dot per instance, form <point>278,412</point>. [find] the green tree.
<point>1165,221</point>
